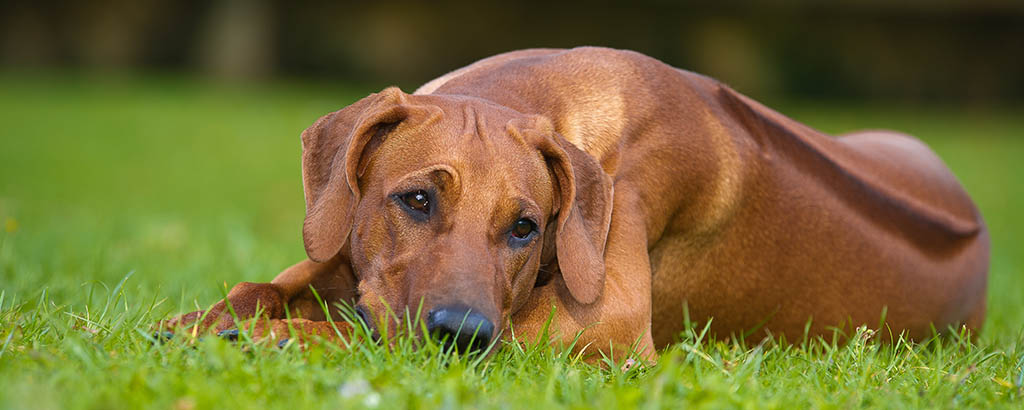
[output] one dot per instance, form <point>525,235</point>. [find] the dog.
<point>608,195</point>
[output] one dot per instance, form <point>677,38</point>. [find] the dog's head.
<point>449,206</point>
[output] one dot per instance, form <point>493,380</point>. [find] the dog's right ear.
<point>333,149</point>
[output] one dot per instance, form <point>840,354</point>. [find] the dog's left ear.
<point>335,150</point>
<point>584,214</point>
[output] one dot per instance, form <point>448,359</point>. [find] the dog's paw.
<point>162,336</point>
<point>229,335</point>
<point>179,322</point>
<point>165,330</point>
<point>245,301</point>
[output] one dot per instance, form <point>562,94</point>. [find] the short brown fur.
<point>654,190</point>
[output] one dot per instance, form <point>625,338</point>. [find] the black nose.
<point>466,329</point>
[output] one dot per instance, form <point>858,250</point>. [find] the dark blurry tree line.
<point>906,50</point>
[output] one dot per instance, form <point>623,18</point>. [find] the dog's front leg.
<point>300,289</point>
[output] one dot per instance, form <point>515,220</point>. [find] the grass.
<point>123,200</point>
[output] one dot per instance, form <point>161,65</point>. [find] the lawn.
<point>124,200</point>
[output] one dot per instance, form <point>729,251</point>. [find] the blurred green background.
<point>162,137</point>
<point>968,52</point>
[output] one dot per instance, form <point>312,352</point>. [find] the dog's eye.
<point>417,201</point>
<point>523,228</point>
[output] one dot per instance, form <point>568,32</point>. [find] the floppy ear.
<point>584,216</point>
<point>332,150</point>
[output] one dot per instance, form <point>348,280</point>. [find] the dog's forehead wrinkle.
<point>474,125</point>
<point>483,123</point>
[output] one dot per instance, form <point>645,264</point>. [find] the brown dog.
<point>621,191</point>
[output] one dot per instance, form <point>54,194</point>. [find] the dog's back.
<point>754,219</point>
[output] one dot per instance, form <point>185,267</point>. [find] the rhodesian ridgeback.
<point>614,194</point>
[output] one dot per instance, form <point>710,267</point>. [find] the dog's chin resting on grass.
<point>612,194</point>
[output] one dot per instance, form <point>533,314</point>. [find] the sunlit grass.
<point>124,201</point>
